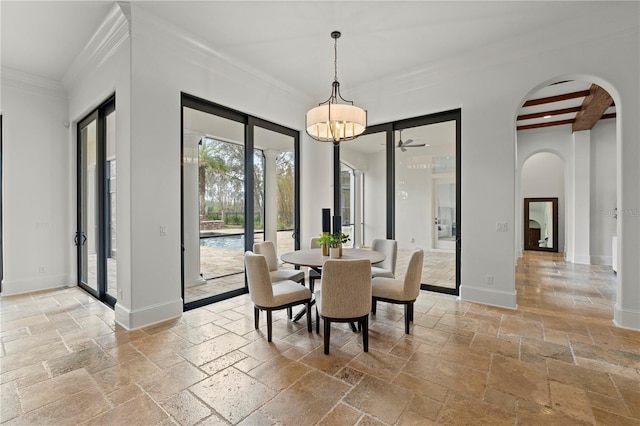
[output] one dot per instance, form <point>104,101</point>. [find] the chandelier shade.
<point>332,121</point>
<point>336,122</point>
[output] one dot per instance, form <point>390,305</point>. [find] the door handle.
<point>75,239</point>
<point>84,239</point>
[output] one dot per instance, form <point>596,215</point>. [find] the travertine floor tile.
<point>557,359</point>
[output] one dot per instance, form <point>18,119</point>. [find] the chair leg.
<point>269,325</point>
<point>365,333</point>
<point>411,311</point>
<point>256,317</point>
<point>309,316</point>
<point>374,303</point>
<point>312,283</point>
<point>407,317</point>
<point>290,313</point>
<point>317,321</point>
<point>327,333</point>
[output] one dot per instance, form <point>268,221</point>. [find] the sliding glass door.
<point>404,184</point>
<point>239,185</point>
<point>426,201</point>
<point>96,233</point>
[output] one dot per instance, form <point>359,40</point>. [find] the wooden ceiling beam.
<point>593,106</point>
<point>546,124</point>
<point>546,113</point>
<point>557,98</point>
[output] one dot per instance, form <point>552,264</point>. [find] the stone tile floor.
<point>557,359</point>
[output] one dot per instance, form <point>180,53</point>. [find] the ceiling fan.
<point>403,145</point>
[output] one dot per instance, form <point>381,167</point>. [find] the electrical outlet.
<point>501,226</point>
<point>163,230</point>
<point>488,279</point>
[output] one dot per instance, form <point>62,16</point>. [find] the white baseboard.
<point>144,317</point>
<point>601,260</point>
<point>486,296</point>
<point>626,318</point>
<point>582,259</point>
<point>48,282</point>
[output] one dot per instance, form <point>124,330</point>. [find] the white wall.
<point>37,232</point>
<point>603,190</point>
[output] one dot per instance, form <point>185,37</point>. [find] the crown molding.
<point>194,50</point>
<point>112,34</point>
<point>31,83</point>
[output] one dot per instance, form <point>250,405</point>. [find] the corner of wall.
<point>139,318</point>
<point>485,296</point>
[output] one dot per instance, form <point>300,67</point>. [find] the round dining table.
<point>313,258</point>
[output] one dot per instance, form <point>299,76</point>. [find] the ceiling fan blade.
<point>403,149</point>
<point>416,146</point>
<point>407,142</point>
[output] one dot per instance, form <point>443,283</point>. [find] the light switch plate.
<point>501,226</point>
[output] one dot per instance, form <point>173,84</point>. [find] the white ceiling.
<point>289,41</point>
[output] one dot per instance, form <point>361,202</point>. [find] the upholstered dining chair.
<point>313,274</point>
<point>268,250</point>
<point>345,297</point>
<point>268,296</point>
<point>386,268</point>
<point>403,292</point>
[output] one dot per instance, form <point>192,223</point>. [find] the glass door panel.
<point>96,233</point>
<point>274,177</point>
<point>213,205</point>
<point>110,174</point>
<point>88,233</point>
<point>425,200</point>
<point>365,179</point>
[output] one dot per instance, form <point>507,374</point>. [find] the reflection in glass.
<point>425,198</point>
<point>89,209</point>
<point>541,224</point>
<point>110,174</point>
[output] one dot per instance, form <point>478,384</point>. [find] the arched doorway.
<point>572,121</point>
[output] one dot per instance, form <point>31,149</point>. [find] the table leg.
<point>301,313</point>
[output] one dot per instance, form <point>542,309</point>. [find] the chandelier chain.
<point>335,60</point>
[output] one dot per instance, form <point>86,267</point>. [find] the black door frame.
<point>389,129</point>
<point>250,123</point>
<point>99,114</point>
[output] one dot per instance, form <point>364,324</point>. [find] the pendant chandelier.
<point>332,121</point>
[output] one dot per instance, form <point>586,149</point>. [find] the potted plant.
<point>334,241</point>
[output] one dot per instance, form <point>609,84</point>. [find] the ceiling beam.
<point>593,106</point>
<point>546,113</point>
<point>547,124</point>
<point>557,98</point>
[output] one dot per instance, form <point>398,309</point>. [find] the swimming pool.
<point>226,242</point>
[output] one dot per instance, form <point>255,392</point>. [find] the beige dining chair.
<point>268,296</point>
<point>313,273</point>
<point>345,297</point>
<point>268,250</point>
<point>403,292</point>
<point>386,268</point>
